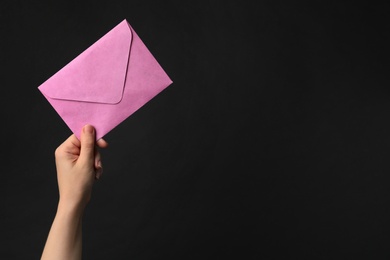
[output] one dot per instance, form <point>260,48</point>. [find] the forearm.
<point>78,165</point>
<point>65,237</point>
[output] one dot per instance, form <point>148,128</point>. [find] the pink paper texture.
<point>106,83</point>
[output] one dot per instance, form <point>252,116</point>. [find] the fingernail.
<point>99,164</point>
<point>88,129</point>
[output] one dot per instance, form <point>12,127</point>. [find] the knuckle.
<point>58,152</point>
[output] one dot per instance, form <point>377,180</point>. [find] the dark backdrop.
<point>272,142</point>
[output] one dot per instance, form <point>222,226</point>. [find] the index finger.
<point>101,143</point>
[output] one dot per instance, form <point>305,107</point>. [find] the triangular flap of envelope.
<point>98,74</point>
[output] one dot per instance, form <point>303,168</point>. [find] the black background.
<point>271,143</point>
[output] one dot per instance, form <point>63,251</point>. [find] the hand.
<point>78,165</point>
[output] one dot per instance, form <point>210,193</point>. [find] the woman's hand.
<point>78,165</point>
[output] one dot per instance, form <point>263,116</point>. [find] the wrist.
<point>72,209</point>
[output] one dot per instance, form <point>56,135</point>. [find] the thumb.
<point>87,151</point>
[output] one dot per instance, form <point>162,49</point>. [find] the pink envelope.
<point>106,83</point>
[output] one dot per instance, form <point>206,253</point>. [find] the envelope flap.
<point>98,74</point>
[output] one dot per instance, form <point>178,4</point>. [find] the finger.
<point>99,173</point>
<point>70,143</point>
<point>69,146</point>
<point>98,163</point>
<point>101,143</point>
<point>87,153</point>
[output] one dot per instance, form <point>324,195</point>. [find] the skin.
<point>78,164</point>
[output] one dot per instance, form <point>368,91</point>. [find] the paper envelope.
<point>106,83</point>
